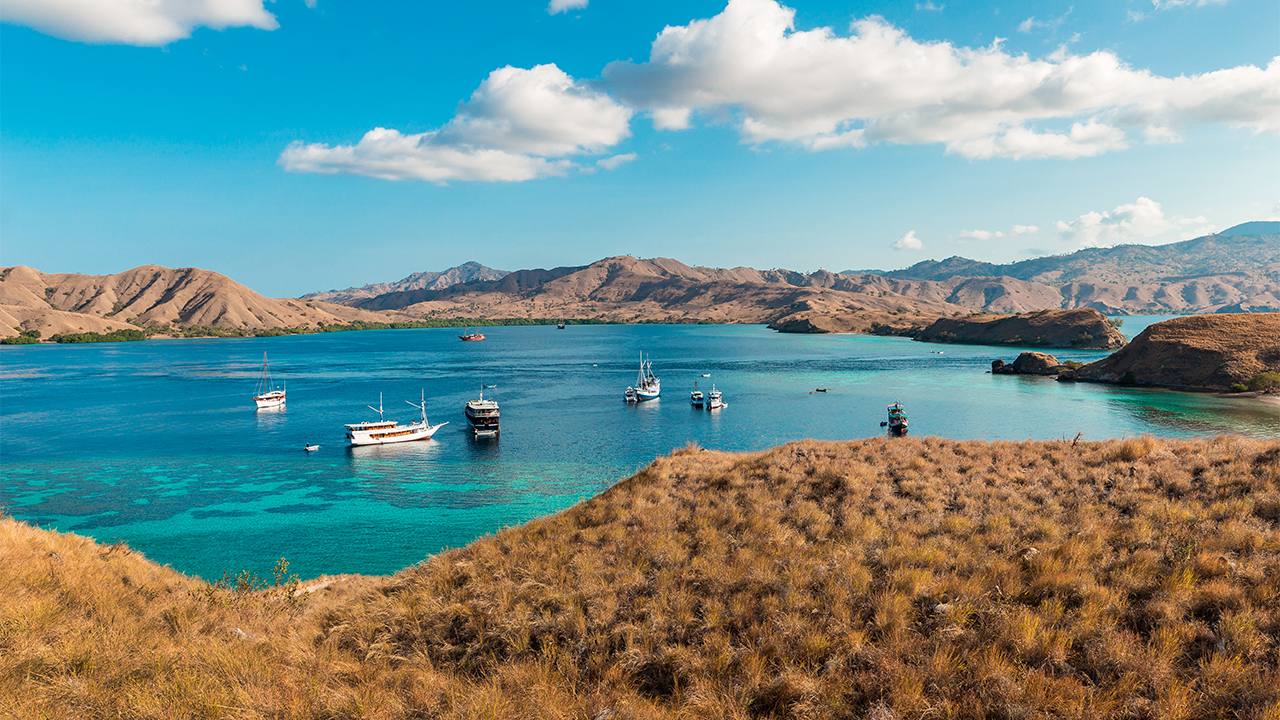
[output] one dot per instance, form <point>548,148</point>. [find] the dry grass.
<point>913,578</point>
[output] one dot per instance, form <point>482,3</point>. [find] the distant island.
<point>1237,270</point>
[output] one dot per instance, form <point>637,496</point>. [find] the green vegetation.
<point>1073,364</point>
<point>1264,382</point>
<point>93,337</point>
<point>25,337</point>
<point>907,578</point>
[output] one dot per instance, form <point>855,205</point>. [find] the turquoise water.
<point>157,443</point>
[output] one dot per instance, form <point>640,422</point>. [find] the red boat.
<point>471,336</point>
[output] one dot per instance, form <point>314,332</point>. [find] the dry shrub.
<point>905,578</point>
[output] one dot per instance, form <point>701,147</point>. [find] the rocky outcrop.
<point>1086,328</point>
<point>1199,352</point>
<point>1029,363</point>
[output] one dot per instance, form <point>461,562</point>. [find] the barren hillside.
<point>151,295</point>
<point>884,578</point>
<point>1200,352</point>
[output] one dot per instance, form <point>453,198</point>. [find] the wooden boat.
<point>471,336</point>
<point>384,432</point>
<point>897,419</point>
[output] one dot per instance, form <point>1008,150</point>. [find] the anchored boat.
<point>696,398</point>
<point>897,419</point>
<point>483,415</point>
<point>383,431</point>
<point>714,400</point>
<point>471,336</point>
<point>647,387</point>
<point>267,394</point>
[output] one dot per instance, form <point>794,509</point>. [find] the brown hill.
<point>151,295</point>
<point>628,289</point>
<point>1200,352</point>
<point>907,578</point>
<point>1086,328</point>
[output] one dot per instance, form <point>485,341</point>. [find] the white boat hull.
<point>397,434</point>
<point>271,399</point>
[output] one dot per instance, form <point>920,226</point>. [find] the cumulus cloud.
<point>518,125</point>
<point>559,6</point>
<point>1142,221</point>
<point>1025,229</point>
<point>908,242</point>
<point>930,6</point>
<point>613,163</point>
<point>822,90</point>
<point>134,22</point>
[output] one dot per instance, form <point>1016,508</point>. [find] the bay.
<point>157,443</point>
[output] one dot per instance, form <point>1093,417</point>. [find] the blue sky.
<point>298,146</point>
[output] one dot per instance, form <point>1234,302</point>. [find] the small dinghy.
<point>312,448</point>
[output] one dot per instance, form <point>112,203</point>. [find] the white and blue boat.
<point>647,386</point>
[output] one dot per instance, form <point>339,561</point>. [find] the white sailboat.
<point>385,431</point>
<point>268,394</point>
<point>648,387</point>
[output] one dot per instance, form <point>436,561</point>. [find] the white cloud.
<point>989,234</point>
<point>134,22</point>
<point>823,91</point>
<point>559,6</point>
<point>930,6</point>
<point>908,242</point>
<point>515,127</point>
<point>613,163</point>
<point>1143,221</point>
<point>1053,24</point>
<point>1166,4</point>
<point>981,234</point>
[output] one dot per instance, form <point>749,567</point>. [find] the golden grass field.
<point>909,578</point>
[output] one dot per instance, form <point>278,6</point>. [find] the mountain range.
<point>1234,271</point>
<point>466,272</point>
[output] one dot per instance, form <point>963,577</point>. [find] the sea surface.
<point>158,444</point>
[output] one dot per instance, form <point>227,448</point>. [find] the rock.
<point>1036,363</point>
<point>1197,352</point>
<point>998,367</point>
<point>1086,328</point>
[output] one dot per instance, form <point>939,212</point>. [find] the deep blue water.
<point>158,444</point>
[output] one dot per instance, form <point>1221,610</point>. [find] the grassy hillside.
<point>913,578</point>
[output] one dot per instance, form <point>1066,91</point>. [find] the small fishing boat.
<point>897,419</point>
<point>696,398</point>
<point>471,336</point>
<point>383,431</point>
<point>706,374</point>
<point>268,393</point>
<point>312,448</point>
<point>647,387</point>
<point>714,400</point>
<point>482,415</point>
<point>820,389</point>
<point>559,326</point>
